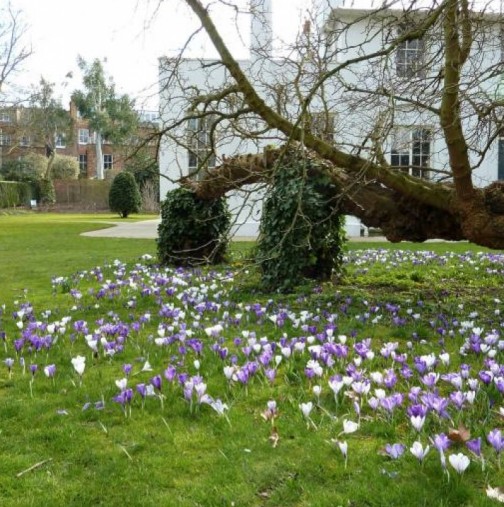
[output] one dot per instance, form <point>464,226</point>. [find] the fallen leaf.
<point>274,437</point>
<point>461,435</point>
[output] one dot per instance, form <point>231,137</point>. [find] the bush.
<point>124,196</point>
<point>22,171</point>
<point>13,193</point>
<point>65,168</point>
<point>192,231</point>
<point>37,163</point>
<point>301,231</point>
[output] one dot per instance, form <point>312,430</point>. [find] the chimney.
<point>261,29</point>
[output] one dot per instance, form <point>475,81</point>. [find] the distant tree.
<point>46,121</point>
<point>12,51</point>
<point>124,196</point>
<point>111,117</point>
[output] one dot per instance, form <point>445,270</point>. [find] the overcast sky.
<point>131,34</point>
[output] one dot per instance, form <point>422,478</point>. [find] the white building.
<point>382,98</point>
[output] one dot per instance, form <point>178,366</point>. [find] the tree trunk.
<point>479,220</point>
<point>100,174</point>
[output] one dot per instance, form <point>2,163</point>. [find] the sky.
<point>130,34</point>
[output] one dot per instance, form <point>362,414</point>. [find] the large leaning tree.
<point>452,87</point>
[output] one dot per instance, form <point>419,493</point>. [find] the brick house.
<point>17,140</point>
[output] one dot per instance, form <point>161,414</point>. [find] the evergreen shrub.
<point>124,196</point>
<point>301,230</point>
<point>192,231</point>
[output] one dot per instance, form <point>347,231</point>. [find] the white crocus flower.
<point>79,364</point>
<point>306,408</point>
<point>459,462</point>
<point>122,383</point>
<point>350,426</point>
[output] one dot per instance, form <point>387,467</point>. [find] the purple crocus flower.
<point>395,451</point>
<point>156,382</point>
<point>270,374</point>
<point>33,369</point>
<point>390,379</point>
<point>50,370</point>
<point>458,399</point>
<point>430,379</point>
<point>485,376</point>
<point>441,442</point>
<point>474,446</point>
<point>124,397</point>
<point>170,373</point>
<point>417,410</point>
<point>127,369</point>
<point>141,390</point>
<point>496,440</point>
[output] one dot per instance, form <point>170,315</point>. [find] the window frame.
<point>108,165</point>
<point>411,150</point>
<point>410,57</point>
<point>83,138</point>
<point>200,153</point>
<point>60,141</point>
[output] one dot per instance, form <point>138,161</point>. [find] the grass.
<point>179,454</point>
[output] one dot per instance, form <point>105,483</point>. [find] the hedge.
<point>14,193</point>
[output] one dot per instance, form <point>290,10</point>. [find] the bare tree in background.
<point>405,116</point>
<point>13,51</point>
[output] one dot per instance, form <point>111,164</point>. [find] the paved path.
<point>147,229</point>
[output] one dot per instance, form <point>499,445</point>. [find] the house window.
<point>60,141</point>
<point>200,153</point>
<point>411,150</point>
<point>83,136</point>
<point>24,141</point>
<point>149,117</point>
<point>83,164</point>
<point>108,162</point>
<point>410,58</point>
<point>321,124</point>
<point>5,117</point>
<point>5,139</point>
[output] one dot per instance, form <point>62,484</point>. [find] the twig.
<point>125,451</point>
<point>33,467</point>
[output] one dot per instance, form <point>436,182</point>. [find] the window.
<point>5,117</point>
<point>83,136</point>
<point>60,141</point>
<point>411,149</point>
<point>321,124</point>
<point>83,164</point>
<point>410,58</point>
<point>200,153</point>
<point>149,116</point>
<point>5,139</point>
<point>24,141</point>
<point>108,162</point>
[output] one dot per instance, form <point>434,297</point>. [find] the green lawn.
<point>61,447</point>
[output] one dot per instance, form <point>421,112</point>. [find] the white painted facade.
<point>196,77</point>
